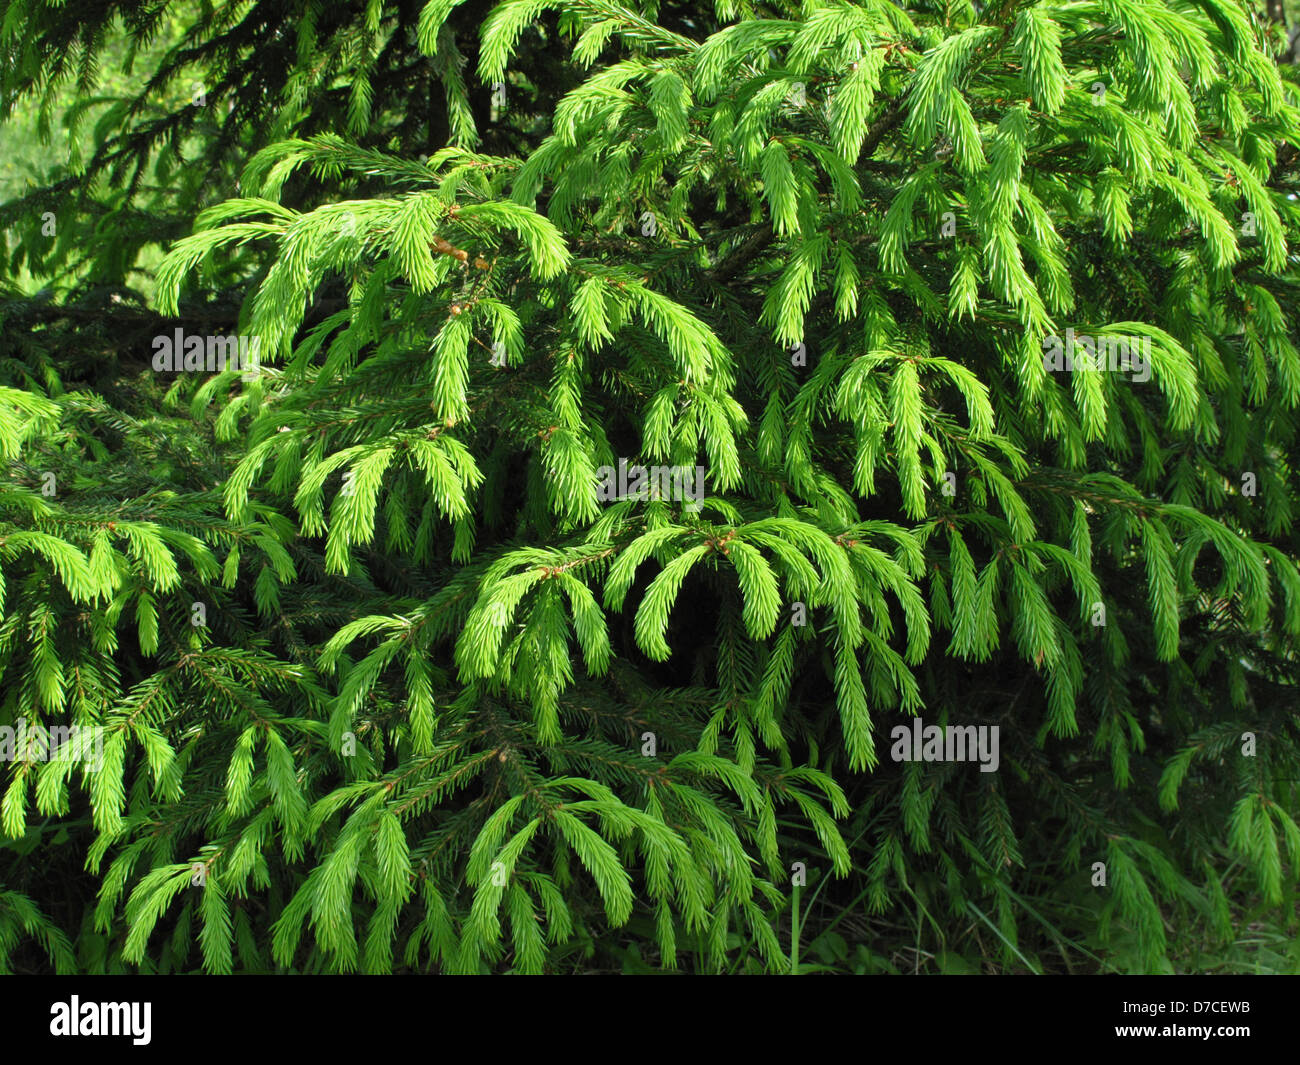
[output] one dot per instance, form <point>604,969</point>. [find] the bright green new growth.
<point>413,731</point>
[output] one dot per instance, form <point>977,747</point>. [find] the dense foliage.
<point>387,682</point>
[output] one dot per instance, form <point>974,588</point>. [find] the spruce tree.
<point>386,679</point>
